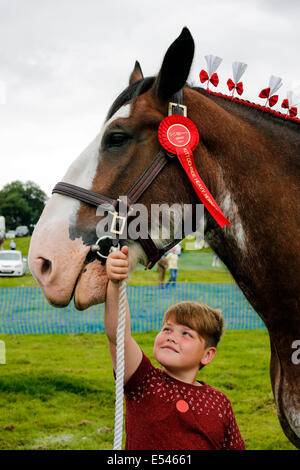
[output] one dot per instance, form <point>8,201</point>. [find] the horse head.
<point>60,258</point>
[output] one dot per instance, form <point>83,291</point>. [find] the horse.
<point>249,161</point>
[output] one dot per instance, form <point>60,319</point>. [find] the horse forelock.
<point>130,93</point>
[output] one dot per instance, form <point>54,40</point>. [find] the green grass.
<point>150,277</point>
<point>192,267</point>
<point>57,391</point>
<point>138,278</point>
<point>21,242</point>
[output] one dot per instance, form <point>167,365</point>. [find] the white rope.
<point>120,367</point>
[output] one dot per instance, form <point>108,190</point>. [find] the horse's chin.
<point>91,286</point>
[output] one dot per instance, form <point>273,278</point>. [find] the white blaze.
<point>82,173</point>
<point>230,210</point>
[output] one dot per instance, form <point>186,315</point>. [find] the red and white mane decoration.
<point>211,76</point>
<point>238,69</point>
<point>274,84</point>
<point>290,104</point>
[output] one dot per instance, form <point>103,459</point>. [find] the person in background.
<point>216,262</point>
<point>172,259</point>
<point>12,245</point>
<point>162,265</point>
<point>178,249</point>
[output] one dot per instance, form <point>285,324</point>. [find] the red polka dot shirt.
<point>163,413</point>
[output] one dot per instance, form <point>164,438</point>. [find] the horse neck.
<point>246,171</point>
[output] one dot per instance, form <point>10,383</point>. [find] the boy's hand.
<point>117,264</point>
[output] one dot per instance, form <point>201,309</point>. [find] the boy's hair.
<point>207,321</point>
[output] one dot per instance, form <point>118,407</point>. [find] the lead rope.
<point>120,367</point>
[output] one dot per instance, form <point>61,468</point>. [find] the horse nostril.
<point>46,266</point>
<point>42,269</point>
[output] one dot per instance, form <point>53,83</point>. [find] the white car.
<point>22,231</point>
<point>12,263</point>
<point>11,234</point>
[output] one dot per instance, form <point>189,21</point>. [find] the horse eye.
<point>116,139</point>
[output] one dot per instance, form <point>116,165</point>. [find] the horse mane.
<point>282,130</point>
<point>141,86</point>
<point>270,114</point>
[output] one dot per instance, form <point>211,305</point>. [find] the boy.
<point>168,409</point>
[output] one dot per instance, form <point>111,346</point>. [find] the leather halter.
<point>134,193</point>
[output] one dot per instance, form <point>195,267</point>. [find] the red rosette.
<point>176,132</point>
<point>179,135</point>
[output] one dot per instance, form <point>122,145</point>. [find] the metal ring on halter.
<point>96,247</point>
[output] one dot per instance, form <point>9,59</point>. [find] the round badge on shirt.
<point>182,406</point>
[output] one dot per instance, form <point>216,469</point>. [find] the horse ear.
<point>136,74</point>
<point>176,66</point>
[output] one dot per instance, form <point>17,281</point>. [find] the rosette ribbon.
<point>179,135</point>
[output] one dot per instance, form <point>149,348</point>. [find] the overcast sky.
<point>63,62</point>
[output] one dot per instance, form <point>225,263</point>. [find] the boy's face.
<point>179,347</point>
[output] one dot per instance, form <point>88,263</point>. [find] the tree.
<point>21,204</point>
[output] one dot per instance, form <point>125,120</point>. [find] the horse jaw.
<point>92,283</point>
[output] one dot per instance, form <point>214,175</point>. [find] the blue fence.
<point>24,310</point>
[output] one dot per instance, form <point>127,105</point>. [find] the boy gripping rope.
<point>168,409</point>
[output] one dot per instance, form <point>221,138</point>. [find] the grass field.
<point>57,391</point>
<point>192,268</point>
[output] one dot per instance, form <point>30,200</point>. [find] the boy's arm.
<point>132,351</point>
<point>234,440</point>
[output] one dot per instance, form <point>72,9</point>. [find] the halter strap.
<point>82,194</point>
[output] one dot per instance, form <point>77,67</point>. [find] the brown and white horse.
<point>250,162</point>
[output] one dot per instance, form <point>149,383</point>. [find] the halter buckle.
<point>116,217</point>
<point>177,105</point>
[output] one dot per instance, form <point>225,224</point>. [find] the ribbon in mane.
<point>274,84</point>
<point>238,69</point>
<point>290,104</point>
<point>179,136</point>
<point>211,76</point>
